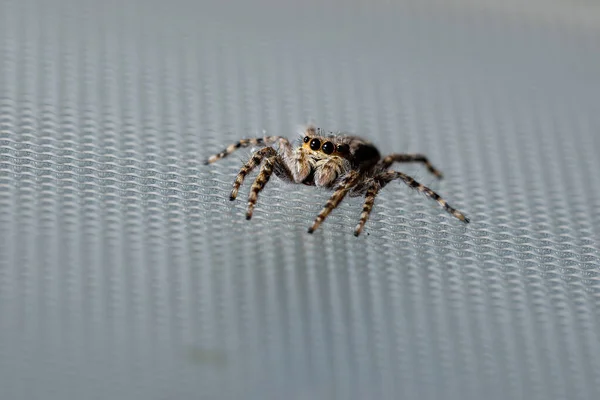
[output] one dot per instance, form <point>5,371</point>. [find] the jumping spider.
<point>345,164</point>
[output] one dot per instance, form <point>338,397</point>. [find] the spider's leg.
<point>266,170</point>
<point>372,191</point>
<point>389,176</point>
<point>420,158</point>
<point>264,141</point>
<point>255,160</point>
<point>282,170</point>
<point>338,195</point>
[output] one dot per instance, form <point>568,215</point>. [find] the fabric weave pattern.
<point>126,272</point>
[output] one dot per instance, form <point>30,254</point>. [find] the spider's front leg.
<point>338,195</point>
<point>264,141</point>
<point>271,162</point>
<point>403,158</point>
<point>254,161</point>
<point>264,174</point>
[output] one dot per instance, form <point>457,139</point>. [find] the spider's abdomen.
<point>363,155</point>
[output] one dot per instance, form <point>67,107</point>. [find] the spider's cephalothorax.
<point>348,165</point>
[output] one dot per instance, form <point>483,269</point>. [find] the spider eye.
<point>328,147</point>
<point>306,139</point>
<point>315,144</point>
<point>342,148</point>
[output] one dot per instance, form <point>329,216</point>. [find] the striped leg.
<point>266,170</point>
<point>367,207</point>
<point>266,141</point>
<point>389,176</point>
<point>338,195</point>
<point>255,160</point>
<point>420,158</point>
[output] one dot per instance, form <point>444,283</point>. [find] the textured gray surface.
<point>126,273</point>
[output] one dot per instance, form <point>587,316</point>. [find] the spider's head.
<point>326,146</point>
<point>322,146</point>
<point>359,152</point>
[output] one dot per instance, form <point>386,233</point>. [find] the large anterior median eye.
<point>328,147</point>
<point>315,144</point>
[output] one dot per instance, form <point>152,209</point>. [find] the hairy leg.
<point>264,141</point>
<point>338,195</point>
<point>266,170</point>
<point>389,176</point>
<point>402,158</point>
<point>254,161</point>
<point>372,192</point>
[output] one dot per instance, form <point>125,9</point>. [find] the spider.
<point>348,165</point>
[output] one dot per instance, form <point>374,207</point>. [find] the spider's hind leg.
<point>389,176</point>
<point>404,158</point>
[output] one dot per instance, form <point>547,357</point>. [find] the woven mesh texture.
<point>126,272</point>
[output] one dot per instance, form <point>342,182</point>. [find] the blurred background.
<point>126,272</point>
